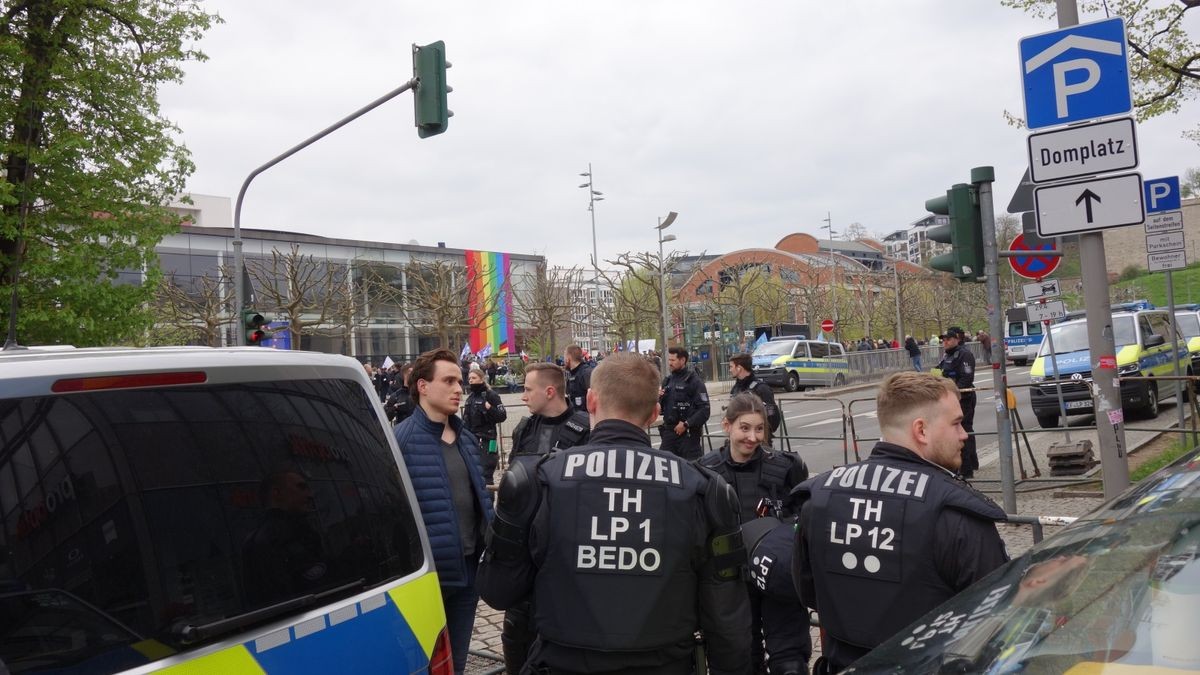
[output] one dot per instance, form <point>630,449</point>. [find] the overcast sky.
<point>753,120</point>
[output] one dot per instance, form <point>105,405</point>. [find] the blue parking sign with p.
<point>1076,73</point>
<point>1161,194</point>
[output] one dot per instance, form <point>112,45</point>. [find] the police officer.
<point>642,550</point>
<point>958,364</point>
<point>762,480</point>
<point>551,426</point>
<point>883,541</point>
<point>685,409</point>
<point>742,370</point>
<point>770,544</point>
<point>579,376</point>
<point>482,411</point>
<point>399,403</point>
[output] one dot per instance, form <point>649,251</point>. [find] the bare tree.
<point>200,312</point>
<point>439,299</point>
<point>310,293</point>
<point>550,303</point>
<point>637,293</point>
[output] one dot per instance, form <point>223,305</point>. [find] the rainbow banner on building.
<point>490,303</point>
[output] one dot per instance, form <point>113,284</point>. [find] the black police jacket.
<point>629,550</point>
<point>579,379</point>
<point>883,541</point>
<point>958,364</point>
<point>685,399</point>
<point>763,391</point>
<point>398,405</point>
<point>479,418</point>
<point>540,435</point>
<point>767,474</point>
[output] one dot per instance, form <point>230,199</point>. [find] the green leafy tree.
<point>88,160</point>
<point>1164,61</point>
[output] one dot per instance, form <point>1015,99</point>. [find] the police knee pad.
<point>518,499</point>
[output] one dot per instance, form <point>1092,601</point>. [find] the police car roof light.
<point>77,384</point>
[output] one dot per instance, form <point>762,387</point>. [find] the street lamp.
<point>593,197</point>
<point>662,274</point>
<point>837,325</point>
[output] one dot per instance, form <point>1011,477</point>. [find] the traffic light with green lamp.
<point>964,232</point>
<point>430,108</point>
<point>254,324</point>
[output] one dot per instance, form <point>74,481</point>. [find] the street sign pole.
<point>1175,348</point>
<point>982,177</point>
<point>1110,421</point>
<point>1062,406</point>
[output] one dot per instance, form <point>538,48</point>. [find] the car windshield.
<point>1189,324</point>
<point>774,348</point>
<point>131,515</point>
<point>1072,337</point>
<point>1122,587</point>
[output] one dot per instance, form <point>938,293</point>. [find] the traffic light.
<point>255,331</point>
<point>964,232</point>
<point>429,95</point>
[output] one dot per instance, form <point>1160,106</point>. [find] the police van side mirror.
<point>1155,340</point>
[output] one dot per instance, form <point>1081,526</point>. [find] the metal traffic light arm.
<point>239,289</point>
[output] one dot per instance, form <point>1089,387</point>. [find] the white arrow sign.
<point>1089,205</point>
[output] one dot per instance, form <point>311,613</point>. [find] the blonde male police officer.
<point>883,541</point>
<point>628,549</point>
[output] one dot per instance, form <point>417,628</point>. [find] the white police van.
<point>199,510</point>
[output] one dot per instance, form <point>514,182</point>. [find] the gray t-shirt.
<point>463,495</point>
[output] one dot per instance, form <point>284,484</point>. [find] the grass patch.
<point>1175,451</point>
<point>1153,286</point>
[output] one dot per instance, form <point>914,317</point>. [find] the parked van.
<point>1142,340</point>
<point>200,510</point>
<point>796,364</point>
<point>1022,339</point>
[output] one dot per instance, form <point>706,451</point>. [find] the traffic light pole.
<point>239,288</point>
<point>983,177</point>
<point>1110,420</point>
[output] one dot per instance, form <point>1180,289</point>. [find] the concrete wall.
<point>1125,246</point>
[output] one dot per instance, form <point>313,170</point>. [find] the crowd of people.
<point>609,555</point>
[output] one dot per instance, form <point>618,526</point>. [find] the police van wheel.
<point>1047,421</point>
<point>1150,410</point>
<point>839,380</point>
<point>793,382</point>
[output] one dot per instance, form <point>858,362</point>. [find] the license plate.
<point>1075,405</point>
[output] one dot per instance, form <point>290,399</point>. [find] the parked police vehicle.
<point>1118,591</point>
<point>1143,348</point>
<point>796,364</point>
<point>195,510</point>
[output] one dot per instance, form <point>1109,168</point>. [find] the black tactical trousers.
<point>970,457</point>
<point>686,446</point>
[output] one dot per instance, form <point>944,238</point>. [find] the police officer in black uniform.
<point>958,364</point>
<point>685,408</point>
<point>763,479</point>
<point>643,549</point>
<point>770,545</point>
<point>883,541</point>
<point>399,403</point>
<point>742,369</point>
<point>579,376</point>
<point>551,426</point>
<point>482,411</point>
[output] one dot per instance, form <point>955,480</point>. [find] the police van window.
<point>1160,324</point>
<point>1124,332</point>
<point>1144,327</point>
<point>801,350</point>
<point>1189,325</point>
<point>1034,328</point>
<point>155,509</point>
<point>1015,329</point>
<point>819,350</point>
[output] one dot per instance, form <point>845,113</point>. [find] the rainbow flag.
<point>490,301</point>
